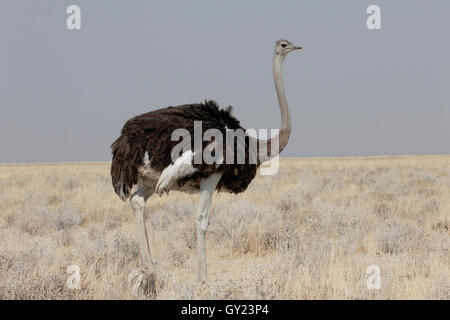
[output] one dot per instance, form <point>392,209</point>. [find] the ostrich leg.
<point>207,187</point>
<point>142,282</point>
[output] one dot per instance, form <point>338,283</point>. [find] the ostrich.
<point>142,161</point>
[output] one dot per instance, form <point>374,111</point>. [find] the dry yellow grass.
<point>309,232</point>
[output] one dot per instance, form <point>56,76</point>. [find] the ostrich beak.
<point>292,48</point>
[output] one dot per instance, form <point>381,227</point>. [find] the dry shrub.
<point>37,219</point>
<point>245,227</point>
<point>126,248</point>
<point>397,237</point>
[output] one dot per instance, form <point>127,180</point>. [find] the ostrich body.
<point>142,160</point>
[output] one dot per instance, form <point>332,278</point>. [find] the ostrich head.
<point>283,47</point>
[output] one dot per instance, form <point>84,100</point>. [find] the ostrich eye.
<point>284,45</point>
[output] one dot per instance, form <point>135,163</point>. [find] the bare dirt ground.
<point>309,232</point>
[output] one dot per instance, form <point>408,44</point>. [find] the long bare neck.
<point>285,130</point>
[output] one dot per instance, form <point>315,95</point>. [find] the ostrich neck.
<point>285,131</point>
<point>279,87</point>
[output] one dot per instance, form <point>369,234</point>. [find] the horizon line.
<point>99,162</point>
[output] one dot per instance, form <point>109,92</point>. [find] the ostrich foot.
<point>142,284</point>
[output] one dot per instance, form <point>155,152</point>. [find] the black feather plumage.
<point>151,132</point>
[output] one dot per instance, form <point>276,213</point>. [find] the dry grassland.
<point>309,232</point>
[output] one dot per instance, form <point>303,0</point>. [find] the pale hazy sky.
<point>65,94</point>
